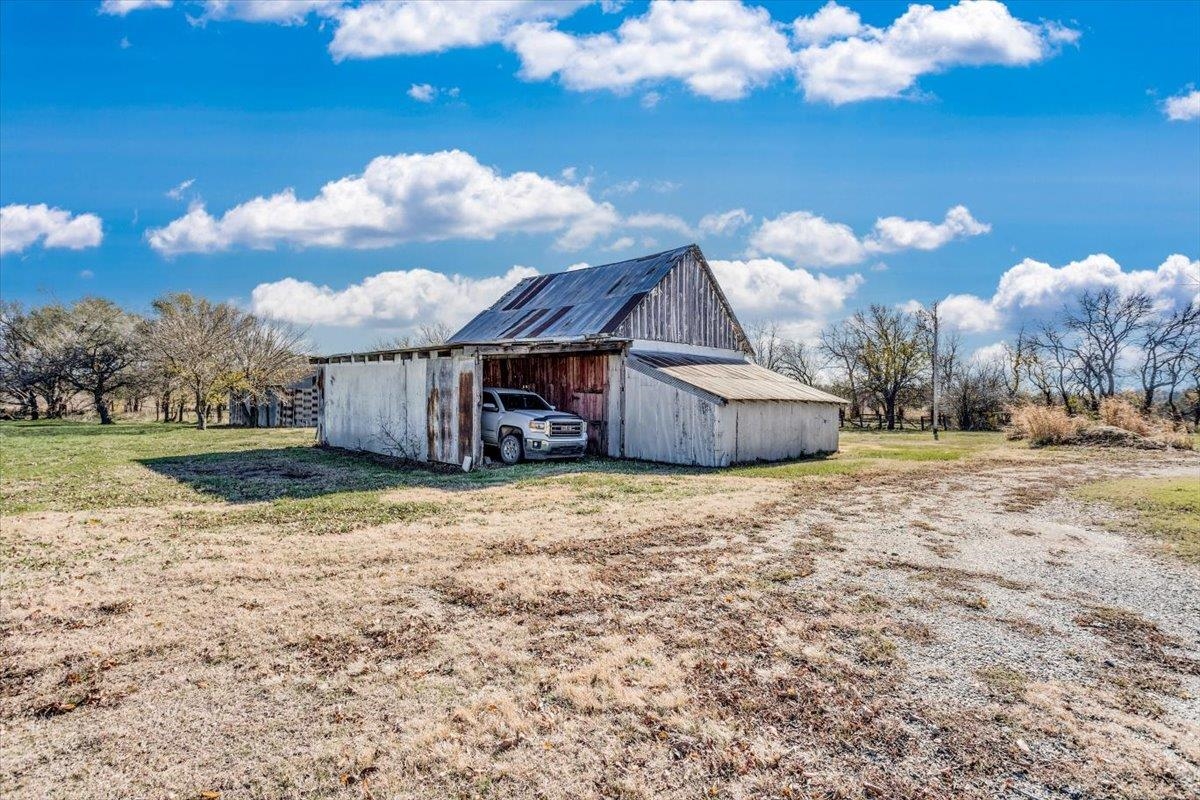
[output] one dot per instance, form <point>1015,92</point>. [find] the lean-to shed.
<point>648,351</point>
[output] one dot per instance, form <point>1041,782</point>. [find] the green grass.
<point>73,466</point>
<point>865,450</point>
<point>1168,508</point>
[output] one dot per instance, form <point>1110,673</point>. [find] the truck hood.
<point>544,416</point>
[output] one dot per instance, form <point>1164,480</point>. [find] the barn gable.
<point>670,296</point>
<point>686,306</point>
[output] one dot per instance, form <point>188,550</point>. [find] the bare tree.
<point>433,333</point>
<point>840,345</point>
<point>194,339</point>
<point>1104,322</point>
<point>35,351</point>
<point>103,349</point>
<point>266,355</point>
<point>892,353</point>
<point>1167,342</point>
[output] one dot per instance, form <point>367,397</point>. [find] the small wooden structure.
<point>648,351</point>
<point>296,405</point>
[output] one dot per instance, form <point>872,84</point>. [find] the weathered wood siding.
<point>684,307</point>
<point>578,383</point>
<point>425,409</point>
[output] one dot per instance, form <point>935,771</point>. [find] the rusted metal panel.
<point>577,383</point>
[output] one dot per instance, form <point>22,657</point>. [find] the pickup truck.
<point>521,424</point>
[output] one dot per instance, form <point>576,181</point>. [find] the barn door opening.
<point>576,382</point>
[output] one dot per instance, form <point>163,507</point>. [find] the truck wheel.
<point>510,449</point>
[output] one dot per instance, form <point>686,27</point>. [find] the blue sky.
<point>1049,123</point>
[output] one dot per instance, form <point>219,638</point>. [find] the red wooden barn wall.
<point>575,383</point>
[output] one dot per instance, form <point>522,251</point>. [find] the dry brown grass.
<point>698,636</point>
<point>1043,425</point>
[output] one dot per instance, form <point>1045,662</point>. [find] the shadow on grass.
<point>247,476</point>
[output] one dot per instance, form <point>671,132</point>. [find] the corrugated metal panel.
<point>730,379</point>
<point>584,302</point>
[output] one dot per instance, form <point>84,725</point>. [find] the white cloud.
<point>176,193</point>
<point>1183,107</point>
<point>377,28</point>
<point>970,314</point>
<point>624,243</point>
<point>650,99</point>
<point>396,298</point>
<point>23,226</point>
<point>1034,288</point>
<point>666,222</point>
<point>896,233</point>
<point>725,223</point>
<point>720,50</point>
<point>119,8</point>
<point>86,274</point>
<point>830,22</point>
<point>125,44</point>
<point>877,63</point>
<point>811,240</point>
<point>280,12</point>
<point>406,197</point>
<point>808,239</point>
<point>766,288</point>
<point>422,92</point>
<point>624,187</point>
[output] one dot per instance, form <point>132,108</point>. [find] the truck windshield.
<point>523,402</point>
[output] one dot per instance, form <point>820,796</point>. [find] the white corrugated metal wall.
<point>385,407</point>
<point>674,424</point>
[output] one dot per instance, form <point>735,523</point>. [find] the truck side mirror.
<point>490,407</point>
<point>554,408</point>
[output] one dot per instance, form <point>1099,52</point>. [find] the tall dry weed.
<point>1044,425</point>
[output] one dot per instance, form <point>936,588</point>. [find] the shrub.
<point>1120,413</point>
<point>1043,425</point>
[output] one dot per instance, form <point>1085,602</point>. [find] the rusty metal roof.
<point>578,303</point>
<point>726,378</point>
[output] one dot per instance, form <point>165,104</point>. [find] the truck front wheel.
<point>510,448</point>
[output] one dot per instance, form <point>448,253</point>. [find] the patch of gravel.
<point>1000,584</point>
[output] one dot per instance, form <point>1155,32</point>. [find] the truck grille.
<point>566,428</point>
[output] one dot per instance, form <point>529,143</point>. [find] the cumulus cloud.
<point>279,12</point>
<point>378,28</point>
<point>878,63</point>
<point>396,298</point>
<point>812,240</point>
<point>830,22</point>
<point>1183,107</point>
<point>23,226</point>
<point>119,8</point>
<point>401,198</point>
<point>725,223</point>
<point>1034,288</point>
<point>719,50</point>
<point>808,239</point>
<point>896,233</point>
<point>764,287</point>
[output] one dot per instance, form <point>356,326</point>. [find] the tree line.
<point>1100,344</point>
<point>187,350</point>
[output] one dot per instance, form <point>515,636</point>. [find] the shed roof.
<point>727,378</point>
<point>577,303</point>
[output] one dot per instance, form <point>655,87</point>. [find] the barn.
<point>648,351</point>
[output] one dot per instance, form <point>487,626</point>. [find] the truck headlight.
<point>538,425</point>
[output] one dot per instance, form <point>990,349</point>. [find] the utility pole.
<point>933,314</point>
